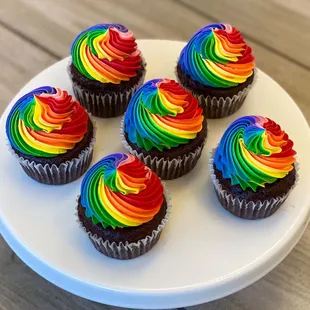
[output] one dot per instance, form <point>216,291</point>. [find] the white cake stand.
<point>205,253</point>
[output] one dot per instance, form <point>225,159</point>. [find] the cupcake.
<point>51,135</point>
<point>106,69</point>
<point>122,206</point>
<point>165,128</point>
<point>217,67</point>
<point>253,168</point>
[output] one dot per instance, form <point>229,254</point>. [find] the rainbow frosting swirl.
<point>46,122</point>
<point>161,114</point>
<point>253,151</point>
<point>120,191</point>
<point>217,56</point>
<point>107,53</point>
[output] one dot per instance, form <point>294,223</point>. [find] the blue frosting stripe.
<point>17,112</point>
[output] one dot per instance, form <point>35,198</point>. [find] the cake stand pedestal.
<point>204,252</point>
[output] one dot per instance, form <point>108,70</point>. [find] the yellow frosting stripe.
<point>178,132</point>
<point>170,106</point>
<point>41,111</point>
<point>123,188</point>
<point>221,52</point>
<point>224,74</point>
<point>265,169</point>
<point>86,63</point>
<point>37,144</point>
<point>39,121</point>
<point>111,209</point>
<point>268,146</point>
<point>99,50</point>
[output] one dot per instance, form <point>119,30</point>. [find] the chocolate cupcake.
<point>217,67</point>
<point>51,135</point>
<point>165,128</point>
<point>106,69</point>
<point>122,206</point>
<point>253,168</point>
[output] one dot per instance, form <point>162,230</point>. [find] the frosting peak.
<point>120,191</point>
<point>161,114</point>
<point>107,53</point>
<point>46,122</point>
<point>253,151</point>
<point>217,56</point>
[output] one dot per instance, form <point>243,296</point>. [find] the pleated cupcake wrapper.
<point>128,250</point>
<point>103,104</point>
<point>66,172</point>
<point>222,107</point>
<point>165,168</point>
<point>247,209</point>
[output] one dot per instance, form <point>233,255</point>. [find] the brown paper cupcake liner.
<point>66,172</point>
<point>247,209</point>
<point>124,251</point>
<point>105,105</point>
<point>222,107</point>
<point>166,168</point>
